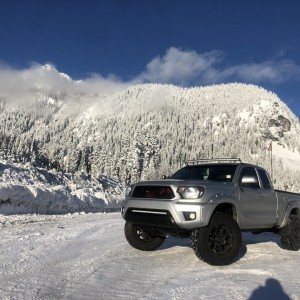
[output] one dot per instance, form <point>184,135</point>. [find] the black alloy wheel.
<point>218,243</point>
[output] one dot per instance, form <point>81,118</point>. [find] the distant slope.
<point>149,130</point>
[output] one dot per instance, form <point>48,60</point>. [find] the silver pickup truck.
<point>210,201</point>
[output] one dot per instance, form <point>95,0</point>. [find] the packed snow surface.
<point>86,256</point>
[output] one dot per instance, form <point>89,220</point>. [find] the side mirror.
<point>165,177</point>
<point>249,181</point>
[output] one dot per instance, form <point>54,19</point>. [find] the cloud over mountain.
<point>176,66</point>
<point>180,67</point>
<point>185,67</point>
<point>14,82</point>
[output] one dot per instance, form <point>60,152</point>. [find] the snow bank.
<point>35,190</point>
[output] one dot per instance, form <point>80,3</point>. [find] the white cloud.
<point>99,84</point>
<point>272,71</point>
<point>179,67</point>
<point>189,67</point>
<point>14,83</point>
<point>176,66</point>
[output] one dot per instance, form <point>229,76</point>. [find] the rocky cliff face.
<point>282,124</point>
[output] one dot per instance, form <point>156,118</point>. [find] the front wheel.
<point>140,239</point>
<point>219,243</point>
<point>290,234</point>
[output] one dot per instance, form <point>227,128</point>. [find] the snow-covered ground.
<point>86,256</point>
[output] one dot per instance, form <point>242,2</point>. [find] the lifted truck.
<point>212,202</point>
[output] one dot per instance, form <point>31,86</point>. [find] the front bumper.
<point>170,214</point>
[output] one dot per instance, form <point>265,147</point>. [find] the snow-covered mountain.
<point>149,130</point>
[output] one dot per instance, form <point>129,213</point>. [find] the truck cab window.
<point>264,179</point>
<point>248,178</point>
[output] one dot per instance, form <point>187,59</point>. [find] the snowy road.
<point>87,257</point>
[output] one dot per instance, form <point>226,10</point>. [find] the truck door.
<point>258,200</point>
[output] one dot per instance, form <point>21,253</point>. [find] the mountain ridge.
<point>148,130</point>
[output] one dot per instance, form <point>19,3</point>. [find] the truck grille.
<point>157,192</point>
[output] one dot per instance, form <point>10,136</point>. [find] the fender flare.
<point>290,207</point>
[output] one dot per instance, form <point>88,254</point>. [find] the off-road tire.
<point>141,239</point>
<point>220,242</point>
<point>290,234</point>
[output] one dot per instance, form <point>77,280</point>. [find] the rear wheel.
<point>219,243</point>
<point>141,239</point>
<point>290,234</point>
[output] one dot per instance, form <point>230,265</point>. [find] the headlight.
<point>190,192</point>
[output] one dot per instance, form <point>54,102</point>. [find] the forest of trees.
<point>148,131</point>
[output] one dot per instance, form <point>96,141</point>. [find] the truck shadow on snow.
<point>172,242</point>
<point>259,238</point>
<point>247,239</point>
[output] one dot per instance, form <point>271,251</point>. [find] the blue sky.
<point>186,42</point>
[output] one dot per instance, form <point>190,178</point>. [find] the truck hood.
<point>180,182</point>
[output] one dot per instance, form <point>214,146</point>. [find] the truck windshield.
<point>206,172</point>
